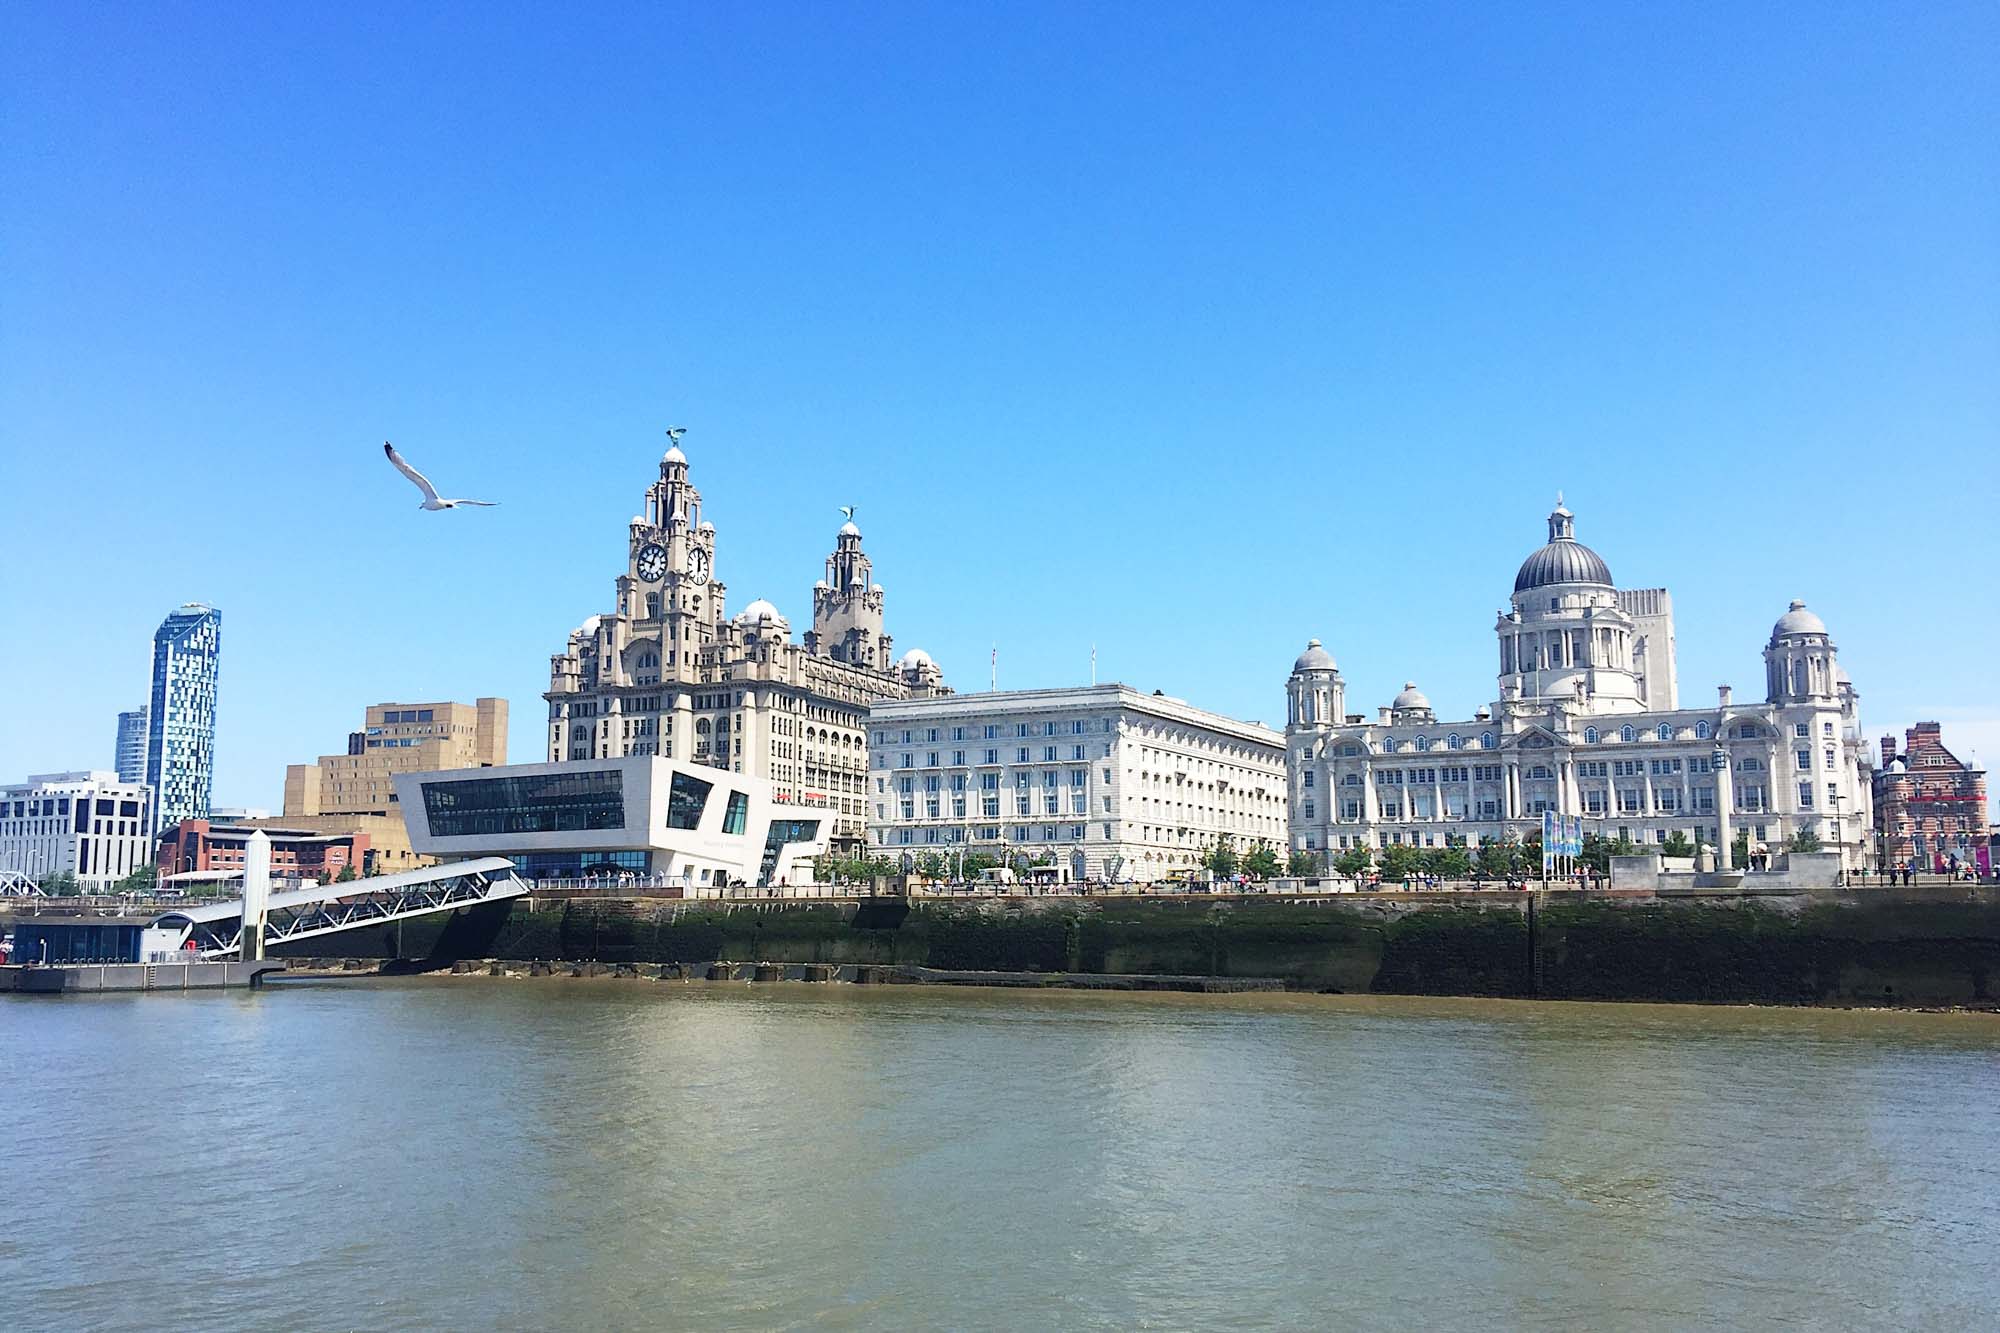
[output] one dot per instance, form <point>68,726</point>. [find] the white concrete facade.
<point>89,824</point>
<point>1587,722</point>
<point>1116,785</point>
<point>668,672</point>
<point>641,818</point>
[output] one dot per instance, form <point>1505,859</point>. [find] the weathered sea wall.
<point>1939,949</point>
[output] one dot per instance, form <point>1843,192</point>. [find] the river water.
<point>485,1153</point>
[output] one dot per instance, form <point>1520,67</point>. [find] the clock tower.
<point>670,572</point>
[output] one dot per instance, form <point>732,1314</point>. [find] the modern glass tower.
<point>132,744</point>
<point>180,744</point>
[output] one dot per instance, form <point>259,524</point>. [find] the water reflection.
<point>484,1152</point>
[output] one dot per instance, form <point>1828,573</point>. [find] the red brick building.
<point>1930,805</point>
<point>199,846</point>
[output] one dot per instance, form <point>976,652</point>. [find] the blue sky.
<point>1190,331</point>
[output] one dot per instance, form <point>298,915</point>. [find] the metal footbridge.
<point>14,884</point>
<point>216,931</point>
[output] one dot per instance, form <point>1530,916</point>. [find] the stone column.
<point>1725,801</point>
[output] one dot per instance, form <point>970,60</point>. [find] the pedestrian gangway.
<point>14,884</point>
<point>216,931</point>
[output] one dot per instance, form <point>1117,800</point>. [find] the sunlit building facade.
<point>180,742</point>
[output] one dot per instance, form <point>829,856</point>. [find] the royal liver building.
<point>669,672</point>
<point>1588,722</point>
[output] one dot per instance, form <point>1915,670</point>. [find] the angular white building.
<point>1588,721</point>
<point>641,819</point>
<point>89,824</point>
<point>1113,784</point>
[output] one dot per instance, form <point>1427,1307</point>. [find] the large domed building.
<point>1587,721</point>
<point>667,672</point>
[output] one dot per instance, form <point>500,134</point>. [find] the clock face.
<point>698,565</point>
<point>652,564</point>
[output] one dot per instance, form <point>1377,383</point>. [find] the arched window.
<point>1454,742</point>
<point>1664,732</point>
<point>1485,740</point>
<point>1389,744</point>
<point>1626,733</point>
<point>1423,742</point>
<point>1590,735</point>
<point>1701,731</point>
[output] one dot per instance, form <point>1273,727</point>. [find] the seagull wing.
<point>423,483</point>
<point>484,504</point>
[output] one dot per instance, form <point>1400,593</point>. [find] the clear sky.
<point>1190,331</point>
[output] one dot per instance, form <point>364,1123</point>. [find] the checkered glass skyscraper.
<point>180,746</point>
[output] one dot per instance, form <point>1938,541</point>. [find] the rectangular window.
<point>1805,796</point>
<point>992,757</point>
<point>572,802</point>
<point>738,813</point>
<point>1307,780</point>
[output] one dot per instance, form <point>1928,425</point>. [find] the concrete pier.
<point>78,977</point>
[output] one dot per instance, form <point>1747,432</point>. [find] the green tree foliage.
<point>931,865</point>
<point>1805,840</point>
<point>1448,862</point>
<point>346,875</point>
<point>1400,862</point>
<point>1678,844</point>
<point>59,884</point>
<point>141,880</point>
<point>1302,864</point>
<point>1260,863</point>
<point>1221,858</point>
<point>1353,861</point>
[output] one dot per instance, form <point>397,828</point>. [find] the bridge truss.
<point>328,909</point>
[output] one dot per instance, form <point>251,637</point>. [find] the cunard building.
<point>1588,722</point>
<point>669,672</point>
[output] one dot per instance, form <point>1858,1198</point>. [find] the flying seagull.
<point>432,500</point>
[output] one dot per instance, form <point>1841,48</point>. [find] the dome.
<point>1798,620</point>
<point>638,521</point>
<point>674,455</point>
<point>1314,658</point>
<point>915,658</point>
<point>848,529</point>
<point>759,610</point>
<point>705,526</point>
<point>1564,559</point>
<point>821,585</point>
<point>1411,697</point>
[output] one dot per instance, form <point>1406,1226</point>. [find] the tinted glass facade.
<point>685,800</point>
<point>180,740</point>
<point>549,803</point>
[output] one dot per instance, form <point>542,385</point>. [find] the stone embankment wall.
<point>1880,948</point>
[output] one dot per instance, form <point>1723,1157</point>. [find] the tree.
<point>346,875</point>
<point>1260,863</point>
<point>976,862</point>
<point>1677,844</point>
<point>1221,858</point>
<point>930,865</point>
<point>1449,862</point>
<point>1739,849</point>
<point>59,884</point>
<point>1502,858</point>
<point>1400,861</point>
<point>1805,840</point>
<point>142,880</point>
<point>1353,861</point>
<point>1302,864</point>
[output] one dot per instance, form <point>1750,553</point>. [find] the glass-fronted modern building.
<point>131,753</point>
<point>180,744</point>
<point>640,820</point>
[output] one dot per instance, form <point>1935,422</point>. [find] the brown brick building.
<point>1930,805</point>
